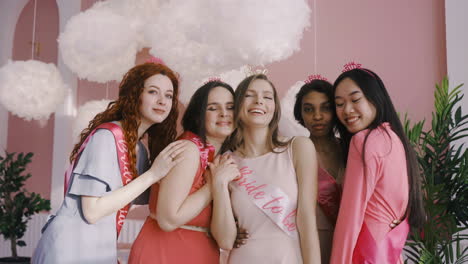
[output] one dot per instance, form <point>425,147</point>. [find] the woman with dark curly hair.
<point>103,178</point>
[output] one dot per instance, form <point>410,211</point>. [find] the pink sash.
<point>387,251</point>
<point>269,199</point>
<point>124,164</point>
<point>329,195</point>
<point>207,150</point>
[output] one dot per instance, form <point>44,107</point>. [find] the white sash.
<point>270,199</point>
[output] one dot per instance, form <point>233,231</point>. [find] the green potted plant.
<point>444,167</point>
<point>17,205</point>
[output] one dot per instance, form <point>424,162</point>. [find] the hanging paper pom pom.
<point>31,89</point>
<point>202,38</point>
<point>86,113</point>
<point>137,13</point>
<point>260,32</point>
<point>182,55</point>
<point>144,10</point>
<point>288,126</point>
<point>99,45</point>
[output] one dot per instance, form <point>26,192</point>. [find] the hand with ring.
<point>168,158</point>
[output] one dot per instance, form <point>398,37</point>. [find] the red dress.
<point>153,245</point>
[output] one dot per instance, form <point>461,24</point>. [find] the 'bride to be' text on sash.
<point>270,199</point>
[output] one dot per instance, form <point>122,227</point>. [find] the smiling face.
<point>219,113</point>
<point>258,105</point>
<point>317,114</point>
<point>156,99</point>
<point>353,109</point>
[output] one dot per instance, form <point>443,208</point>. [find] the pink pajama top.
<point>374,195</point>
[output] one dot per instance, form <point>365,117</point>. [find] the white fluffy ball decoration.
<point>86,113</point>
<point>99,45</point>
<point>31,89</point>
<point>137,13</point>
<point>288,126</point>
<point>202,38</point>
<point>260,32</point>
<point>170,37</point>
<point>144,10</point>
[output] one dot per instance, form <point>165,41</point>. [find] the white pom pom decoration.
<point>86,113</point>
<point>31,89</point>
<point>203,38</point>
<point>99,45</point>
<point>259,32</point>
<point>197,38</point>
<point>141,10</point>
<point>288,126</point>
<point>137,13</point>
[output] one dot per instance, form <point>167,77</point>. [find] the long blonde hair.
<point>236,139</point>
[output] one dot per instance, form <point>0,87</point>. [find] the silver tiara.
<point>254,70</point>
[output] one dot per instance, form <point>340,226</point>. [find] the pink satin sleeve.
<point>359,184</point>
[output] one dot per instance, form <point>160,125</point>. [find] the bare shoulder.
<point>182,170</point>
<point>302,144</point>
<point>305,162</point>
<point>191,150</point>
<point>303,152</point>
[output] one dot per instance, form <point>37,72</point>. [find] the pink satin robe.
<point>374,195</point>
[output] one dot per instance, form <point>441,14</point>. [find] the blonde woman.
<point>271,197</point>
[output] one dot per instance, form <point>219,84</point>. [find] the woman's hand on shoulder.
<point>223,170</point>
<point>168,158</point>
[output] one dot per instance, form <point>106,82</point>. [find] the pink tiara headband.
<point>213,79</point>
<point>312,77</point>
<point>353,65</point>
<point>155,60</point>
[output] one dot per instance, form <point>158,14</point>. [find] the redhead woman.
<point>104,174</point>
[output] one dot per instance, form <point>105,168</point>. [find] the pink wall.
<point>402,41</point>
<point>25,136</point>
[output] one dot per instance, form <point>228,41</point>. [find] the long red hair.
<point>126,110</point>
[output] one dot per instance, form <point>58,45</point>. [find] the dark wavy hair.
<point>320,86</point>
<point>374,90</point>
<point>126,110</point>
<point>195,113</point>
<point>236,139</point>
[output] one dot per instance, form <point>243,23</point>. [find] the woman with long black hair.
<point>381,191</point>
